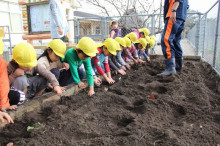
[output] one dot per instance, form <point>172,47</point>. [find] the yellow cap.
<point>88,46</point>
<point>153,37</point>
<point>121,41</point>
<point>145,31</point>
<point>1,47</point>
<point>111,45</point>
<point>128,42</point>
<point>147,38</point>
<point>143,42</point>
<point>152,43</point>
<point>25,55</point>
<point>58,46</point>
<point>112,22</point>
<point>132,36</point>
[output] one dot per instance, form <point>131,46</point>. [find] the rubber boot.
<point>170,68</point>
<point>179,64</point>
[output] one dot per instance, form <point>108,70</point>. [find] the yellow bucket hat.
<point>58,46</point>
<point>143,42</point>
<point>132,36</point>
<point>121,41</point>
<point>111,45</point>
<point>25,55</point>
<point>88,46</point>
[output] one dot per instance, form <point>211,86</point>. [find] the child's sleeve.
<point>4,86</point>
<point>89,72</point>
<point>120,59</point>
<point>47,74</point>
<point>73,69</point>
<point>140,54</point>
<point>106,65</point>
<point>112,65</point>
<point>134,51</point>
<point>128,53</point>
<point>98,65</point>
<point>145,55</point>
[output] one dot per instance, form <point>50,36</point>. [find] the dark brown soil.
<point>185,111</point>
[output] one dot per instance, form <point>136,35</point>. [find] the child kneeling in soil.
<point>116,62</point>
<point>141,45</point>
<point>85,49</point>
<point>130,52</point>
<point>24,58</point>
<point>119,58</point>
<point>141,33</point>
<point>152,43</point>
<point>132,49</point>
<point>100,61</point>
<point>48,71</point>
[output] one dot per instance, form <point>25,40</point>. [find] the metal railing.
<point>98,28</point>
<point>203,32</point>
<point>205,36</point>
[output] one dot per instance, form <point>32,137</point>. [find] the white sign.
<point>40,18</point>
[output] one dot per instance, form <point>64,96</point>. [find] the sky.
<point>198,5</point>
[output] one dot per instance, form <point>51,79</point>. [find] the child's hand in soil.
<point>135,61</point>
<point>141,61</point>
<point>128,66</point>
<point>66,66</point>
<point>97,81</point>
<point>19,72</point>
<point>10,144</point>
<point>63,89</point>
<point>81,85</point>
<point>6,117</point>
<point>58,90</point>
<point>91,92</point>
<point>148,59</point>
<point>122,72</point>
<point>13,107</point>
<point>124,68</point>
<point>110,81</point>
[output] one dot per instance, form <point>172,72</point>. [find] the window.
<point>11,15</point>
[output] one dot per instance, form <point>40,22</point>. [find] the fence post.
<point>103,28</point>
<point>198,34</point>
<point>9,33</point>
<point>106,27</point>
<point>78,31</point>
<point>153,24</point>
<point>216,36</point>
<point>204,37</point>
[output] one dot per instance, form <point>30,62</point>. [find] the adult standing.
<point>58,22</point>
<point>174,18</point>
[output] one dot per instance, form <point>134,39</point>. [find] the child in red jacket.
<point>100,61</point>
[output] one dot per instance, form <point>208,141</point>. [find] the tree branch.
<point>96,3</point>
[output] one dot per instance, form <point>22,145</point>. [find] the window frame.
<point>10,13</point>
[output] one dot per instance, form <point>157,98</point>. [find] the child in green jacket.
<point>85,49</point>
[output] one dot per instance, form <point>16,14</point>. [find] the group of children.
<point>27,76</point>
